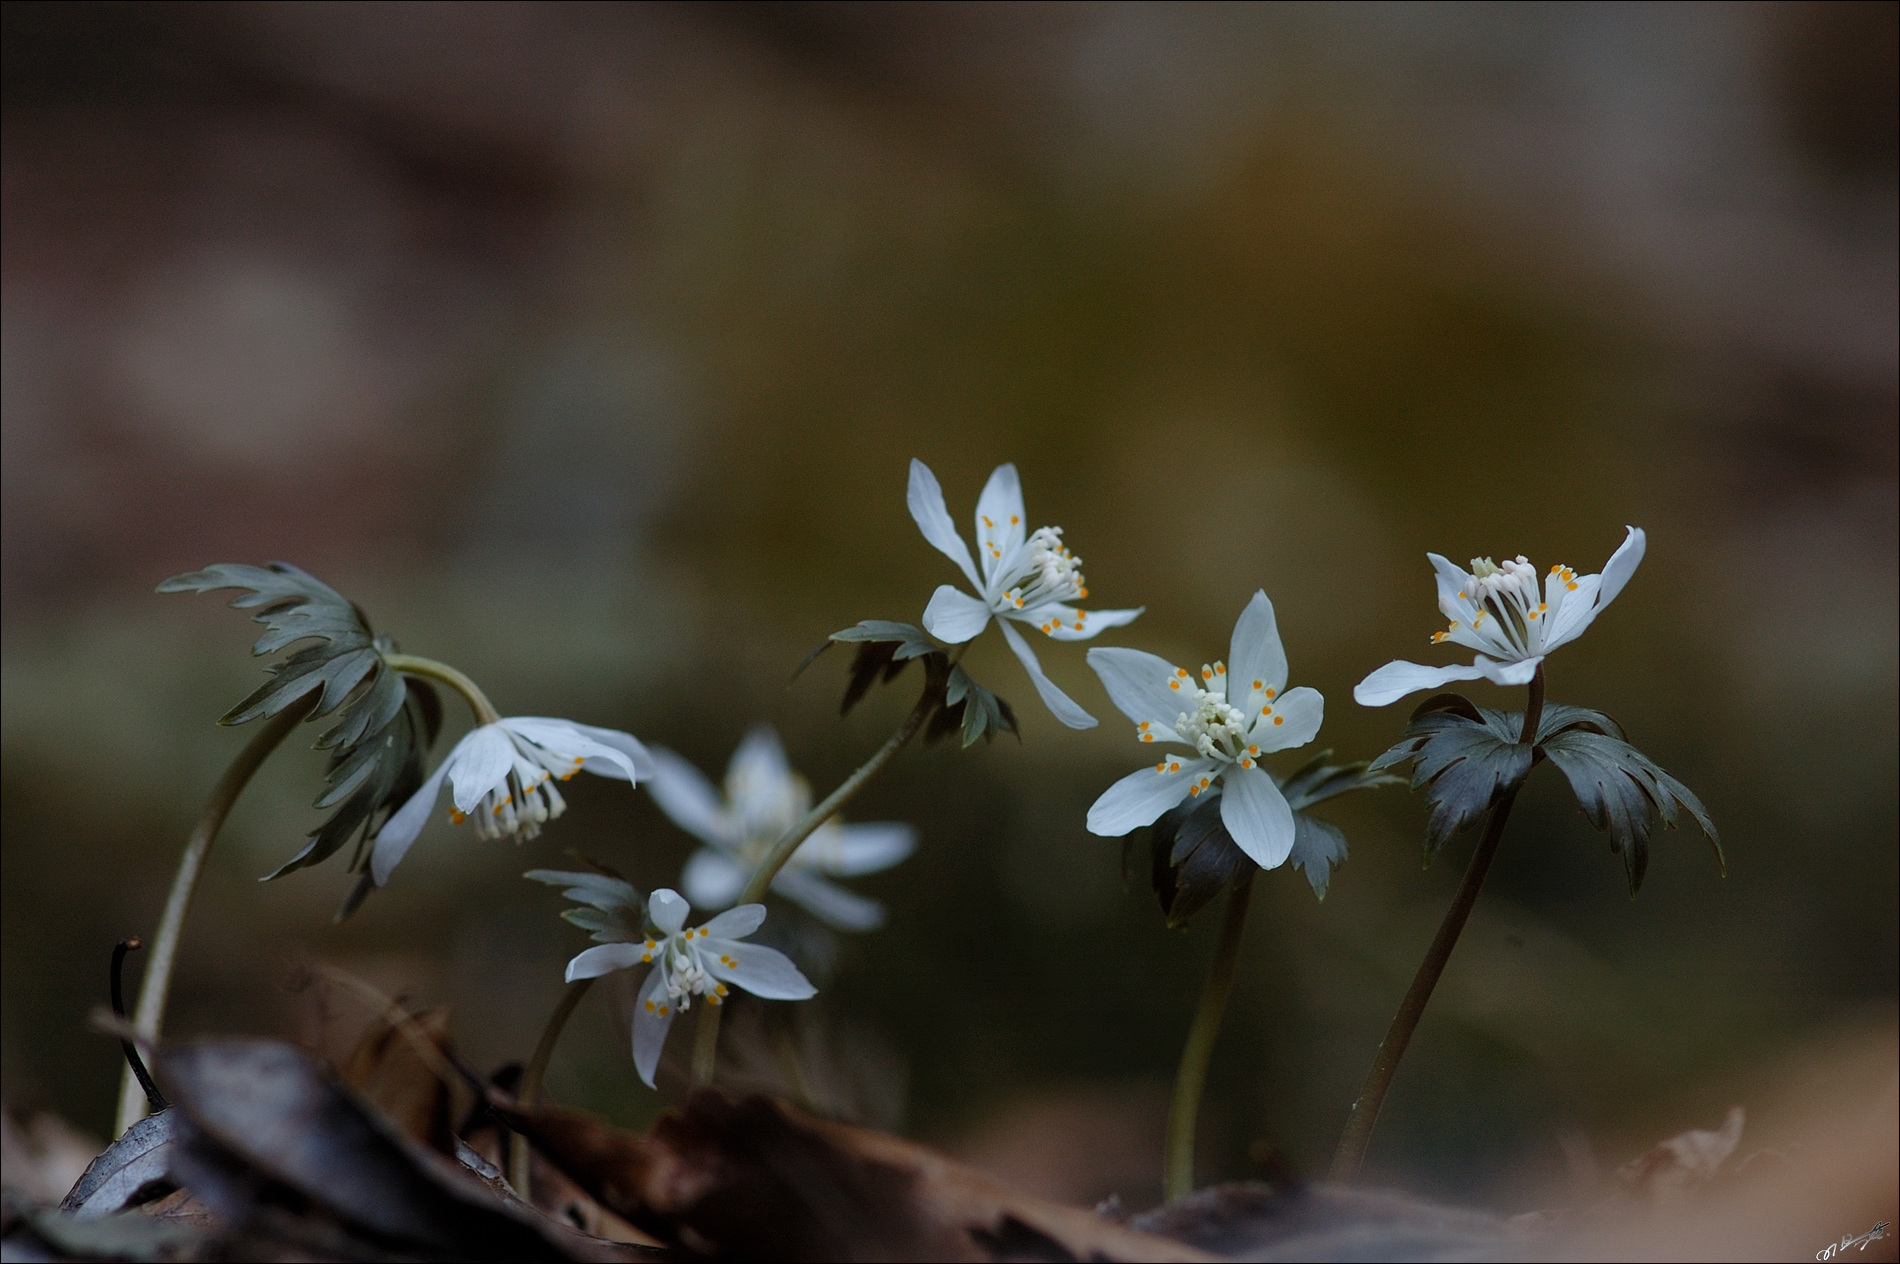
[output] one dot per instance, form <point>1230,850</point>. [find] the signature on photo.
<point>1833,1249</point>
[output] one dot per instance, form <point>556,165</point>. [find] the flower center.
<point>1043,571</point>
<point>1509,604</point>
<point>1213,727</point>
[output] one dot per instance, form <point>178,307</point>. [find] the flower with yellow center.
<point>1027,577</point>
<point>1231,714</point>
<point>688,962</point>
<point>1499,611</point>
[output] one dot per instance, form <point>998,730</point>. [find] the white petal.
<point>1256,814</point>
<point>1063,623</point>
<point>399,831</point>
<point>713,879</point>
<point>868,848</point>
<point>1398,678</point>
<point>1517,673</point>
<point>689,800</point>
<point>1255,652</point>
<point>650,1026</point>
<point>954,615</point>
<point>926,506</point>
<point>1137,683</point>
<point>563,739</point>
<point>829,902</point>
<point>1452,580</point>
<point>1058,702</point>
<point>479,763</point>
<point>760,758</point>
<point>1299,712</point>
<point>762,971</point>
<point>604,959</point>
<point>1142,796</point>
<point>999,518</point>
<point>735,923</point>
<point>627,744</point>
<point>1622,564</point>
<point>667,910</point>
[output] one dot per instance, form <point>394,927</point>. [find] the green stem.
<point>520,1166</point>
<point>1178,1159</point>
<point>156,988</point>
<point>706,1030</point>
<point>413,665</point>
<point>1365,1111</point>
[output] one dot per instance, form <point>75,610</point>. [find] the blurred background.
<point>585,347</point>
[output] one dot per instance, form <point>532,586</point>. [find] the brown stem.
<point>1365,1111</point>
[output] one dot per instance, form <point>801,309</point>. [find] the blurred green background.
<point>586,347</point>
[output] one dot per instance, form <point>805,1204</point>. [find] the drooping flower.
<point>689,962</point>
<point>1497,610</point>
<point>1230,716</point>
<point>1026,577</point>
<point>763,800</point>
<point>501,777</point>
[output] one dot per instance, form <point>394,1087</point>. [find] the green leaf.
<point>384,723</point>
<point>1618,787</point>
<point>885,649</point>
<point>1464,756</point>
<point>1194,856</point>
<point>980,713</point>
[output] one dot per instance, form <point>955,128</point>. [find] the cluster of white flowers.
<point>1226,718</point>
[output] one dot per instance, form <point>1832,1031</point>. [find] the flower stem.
<point>1177,1174</point>
<point>158,969</point>
<point>1365,1111</point>
<point>413,665</point>
<point>706,1030</point>
<point>520,1166</point>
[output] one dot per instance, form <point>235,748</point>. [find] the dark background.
<point>586,346</point>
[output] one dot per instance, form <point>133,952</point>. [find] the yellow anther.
<point>665,1010</point>
<point>720,989</point>
<point>1181,672</point>
<point>1437,637</point>
<point>1162,766</point>
<point>1174,767</point>
<point>1253,750</point>
<point>646,956</point>
<point>1571,586</point>
<point>1143,726</point>
<point>1147,737</point>
<point>1206,674</point>
<point>1246,763</point>
<point>1259,684</point>
<point>457,815</point>
<point>650,1007</point>
<point>1174,684</point>
<point>1271,692</point>
<point>1266,710</point>
<point>1220,669</point>
<point>1279,719</point>
<point>1543,605</point>
<point>988,523</point>
<point>1013,520</point>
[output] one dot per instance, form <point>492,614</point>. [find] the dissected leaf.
<point>885,648</point>
<point>1466,757</point>
<point>384,724</point>
<point>1193,857</point>
<point>1618,788</point>
<point>966,704</point>
<point>756,1178</point>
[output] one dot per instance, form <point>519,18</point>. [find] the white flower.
<point>1027,577</point>
<point>501,776</point>
<point>1228,725</point>
<point>686,963</point>
<point>764,799</point>
<point>1498,611</point>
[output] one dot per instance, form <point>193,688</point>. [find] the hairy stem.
<point>520,1166</point>
<point>412,665</point>
<point>706,1030</point>
<point>1365,1111</point>
<point>158,970</point>
<point>1177,1175</point>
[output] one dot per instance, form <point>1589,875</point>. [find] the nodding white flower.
<point>763,800</point>
<point>501,777</point>
<point>1497,610</point>
<point>1026,577</point>
<point>1231,715</point>
<point>689,962</point>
